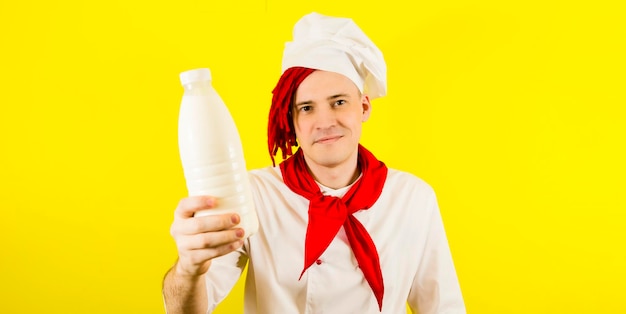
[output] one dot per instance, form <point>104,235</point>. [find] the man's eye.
<point>340,102</point>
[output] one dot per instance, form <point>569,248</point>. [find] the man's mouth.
<point>328,139</point>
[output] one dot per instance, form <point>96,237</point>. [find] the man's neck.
<point>335,177</point>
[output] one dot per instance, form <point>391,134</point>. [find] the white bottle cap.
<point>195,75</point>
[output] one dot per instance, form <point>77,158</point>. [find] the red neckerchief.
<point>328,213</point>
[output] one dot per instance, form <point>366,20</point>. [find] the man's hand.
<point>200,239</point>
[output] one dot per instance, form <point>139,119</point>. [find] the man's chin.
<point>327,159</point>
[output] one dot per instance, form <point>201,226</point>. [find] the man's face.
<point>327,115</point>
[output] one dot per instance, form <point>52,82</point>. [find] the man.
<point>339,231</point>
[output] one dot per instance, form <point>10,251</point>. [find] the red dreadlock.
<point>280,131</point>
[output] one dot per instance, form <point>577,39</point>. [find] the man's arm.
<point>184,294</point>
<point>198,240</point>
<point>436,287</point>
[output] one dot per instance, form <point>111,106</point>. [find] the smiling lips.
<point>328,139</point>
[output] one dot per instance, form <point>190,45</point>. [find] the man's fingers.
<point>210,223</point>
<point>197,257</point>
<point>202,238</point>
<point>212,240</point>
<point>188,206</point>
<point>195,262</point>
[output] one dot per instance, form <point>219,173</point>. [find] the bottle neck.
<point>197,87</point>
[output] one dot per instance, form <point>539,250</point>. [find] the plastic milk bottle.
<point>211,152</point>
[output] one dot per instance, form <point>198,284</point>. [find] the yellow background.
<point>512,111</point>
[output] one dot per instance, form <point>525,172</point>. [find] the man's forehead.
<point>325,85</point>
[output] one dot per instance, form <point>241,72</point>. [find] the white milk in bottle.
<point>211,152</point>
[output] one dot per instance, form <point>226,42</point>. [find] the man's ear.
<point>367,107</point>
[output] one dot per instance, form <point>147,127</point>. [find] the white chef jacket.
<point>404,223</point>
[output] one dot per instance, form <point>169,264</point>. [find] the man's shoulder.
<point>266,173</point>
<point>401,177</point>
<point>264,170</point>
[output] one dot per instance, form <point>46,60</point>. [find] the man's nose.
<point>326,117</point>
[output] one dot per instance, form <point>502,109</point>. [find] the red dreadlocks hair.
<point>280,130</point>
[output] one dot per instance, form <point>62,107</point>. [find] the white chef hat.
<point>337,45</point>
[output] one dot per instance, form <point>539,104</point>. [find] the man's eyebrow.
<point>337,96</point>
<point>308,102</point>
<point>302,103</point>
